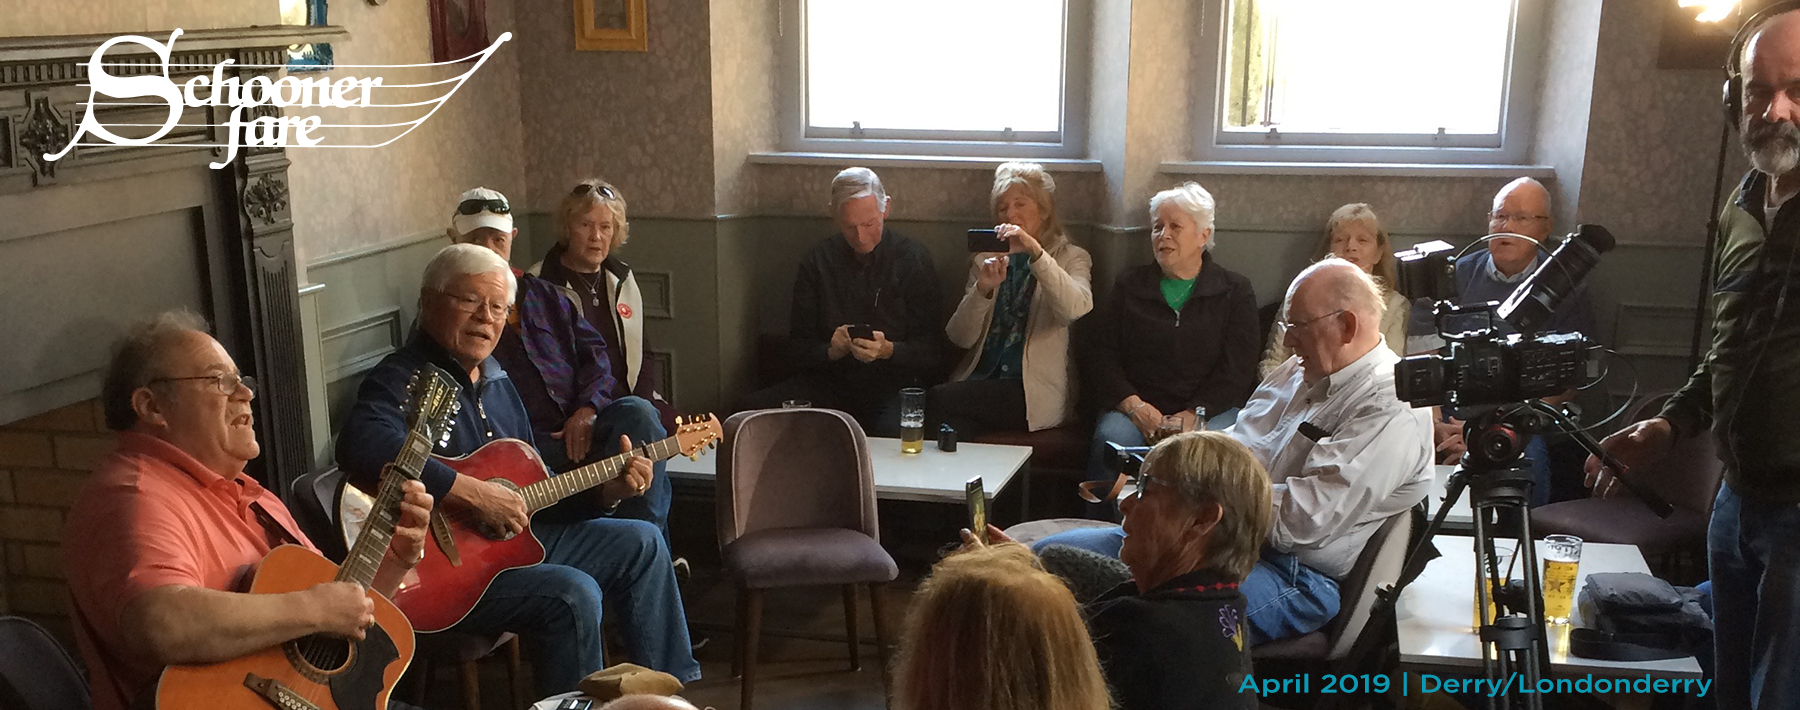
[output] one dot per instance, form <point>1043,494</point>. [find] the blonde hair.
<point>991,630</point>
<point>1209,467</point>
<point>1038,186</point>
<point>587,193</point>
<point>1362,213</point>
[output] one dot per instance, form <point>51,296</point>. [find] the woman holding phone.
<point>1014,317</point>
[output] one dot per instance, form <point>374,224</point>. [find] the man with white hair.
<point>1343,452</point>
<point>869,277</point>
<point>1747,392</point>
<point>555,606</point>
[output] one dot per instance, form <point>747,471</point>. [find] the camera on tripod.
<point>1502,360</point>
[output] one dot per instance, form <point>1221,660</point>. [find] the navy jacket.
<point>1180,646</point>
<point>376,428</point>
<point>1204,355</point>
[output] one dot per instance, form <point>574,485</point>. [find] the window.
<point>1415,81</point>
<point>948,77</point>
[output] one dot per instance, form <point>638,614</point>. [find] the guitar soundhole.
<point>318,656</point>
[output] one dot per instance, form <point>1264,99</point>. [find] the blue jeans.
<point>637,418</point>
<point>1756,601</point>
<point>1283,598</point>
<point>555,607</point>
<point>1116,427</point>
<point>1538,451</point>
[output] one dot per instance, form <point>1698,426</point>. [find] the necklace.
<point>593,287</point>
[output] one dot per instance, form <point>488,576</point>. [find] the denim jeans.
<point>637,418</point>
<point>1115,427</point>
<point>1756,601</point>
<point>555,607</point>
<point>1283,598</point>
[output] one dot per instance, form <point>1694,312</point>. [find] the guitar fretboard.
<point>547,492</point>
<point>372,543</point>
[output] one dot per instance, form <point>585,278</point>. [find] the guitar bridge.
<point>278,694</point>
<point>440,531</point>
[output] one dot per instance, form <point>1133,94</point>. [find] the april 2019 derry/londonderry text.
<point>1408,683</point>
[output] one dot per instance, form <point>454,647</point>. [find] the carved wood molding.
<point>42,128</point>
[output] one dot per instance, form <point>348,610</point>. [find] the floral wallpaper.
<point>744,96</point>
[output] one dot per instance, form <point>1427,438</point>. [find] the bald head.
<point>1334,316</point>
<point>649,702</point>
<point>1771,69</point>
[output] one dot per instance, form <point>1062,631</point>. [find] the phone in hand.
<point>987,240</point>
<point>860,331</point>
<point>977,503</point>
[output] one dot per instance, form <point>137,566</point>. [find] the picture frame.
<point>611,26</point>
<point>306,57</point>
<point>458,29</point>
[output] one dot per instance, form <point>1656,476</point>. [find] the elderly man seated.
<point>868,276</point>
<point>162,539</point>
<point>1342,451</point>
<point>554,606</point>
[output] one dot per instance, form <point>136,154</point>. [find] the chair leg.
<point>850,625</point>
<point>881,641</point>
<point>750,626</point>
<point>737,635</point>
<point>471,685</point>
<point>515,674</point>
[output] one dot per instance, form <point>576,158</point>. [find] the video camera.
<point>1491,364</point>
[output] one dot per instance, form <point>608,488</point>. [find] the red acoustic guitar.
<point>320,672</point>
<point>457,569</point>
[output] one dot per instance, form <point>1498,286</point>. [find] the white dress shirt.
<point>1372,458</point>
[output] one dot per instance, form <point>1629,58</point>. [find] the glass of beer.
<point>1562,557</point>
<point>912,420</point>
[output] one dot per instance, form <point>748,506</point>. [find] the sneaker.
<point>682,571</point>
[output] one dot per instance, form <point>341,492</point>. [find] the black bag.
<point>1633,616</point>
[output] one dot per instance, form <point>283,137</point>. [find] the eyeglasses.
<point>225,383</point>
<point>1291,325</point>
<point>1508,218</point>
<point>479,206</point>
<point>602,190</point>
<point>472,305</point>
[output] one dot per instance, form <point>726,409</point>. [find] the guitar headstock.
<point>693,434</point>
<point>433,405</point>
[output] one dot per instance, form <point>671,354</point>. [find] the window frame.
<point>797,136</point>
<point>1511,145</point>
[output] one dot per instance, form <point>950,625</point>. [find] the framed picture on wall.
<point>458,29</point>
<point>306,57</point>
<point>610,26</point>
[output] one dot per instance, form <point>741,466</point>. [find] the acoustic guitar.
<point>463,561</point>
<point>319,671</point>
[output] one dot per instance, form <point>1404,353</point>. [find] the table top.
<point>930,476</point>
<point>1436,612</point>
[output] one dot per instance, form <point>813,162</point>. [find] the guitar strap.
<point>1089,488</point>
<point>278,532</point>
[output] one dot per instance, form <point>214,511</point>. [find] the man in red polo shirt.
<point>170,527</point>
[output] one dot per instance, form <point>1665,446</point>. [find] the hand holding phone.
<point>861,331</point>
<point>977,504</point>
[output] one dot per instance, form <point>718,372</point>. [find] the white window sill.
<point>888,160</point>
<point>1236,167</point>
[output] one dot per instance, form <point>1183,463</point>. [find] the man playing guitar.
<point>169,526</point>
<point>555,607</point>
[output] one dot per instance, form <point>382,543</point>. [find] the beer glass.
<point>1562,558</point>
<point>912,420</point>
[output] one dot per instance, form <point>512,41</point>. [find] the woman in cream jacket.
<point>1014,318</point>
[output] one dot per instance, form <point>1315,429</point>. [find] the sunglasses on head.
<point>479,206</point>
<point>605,191</point>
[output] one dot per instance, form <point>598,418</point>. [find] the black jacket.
<point>1180,646</point>
<point>894,289</point>
<point>1204,355</point>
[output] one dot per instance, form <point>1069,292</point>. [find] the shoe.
<point>682,571</point>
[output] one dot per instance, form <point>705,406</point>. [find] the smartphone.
<point>986,240</point>
<point>861,331</point>
<point>977,502</point>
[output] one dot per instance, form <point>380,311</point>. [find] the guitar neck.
<point>547,492</point>
<point>371,544</point>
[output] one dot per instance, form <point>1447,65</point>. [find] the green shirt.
<point>1176,291</point>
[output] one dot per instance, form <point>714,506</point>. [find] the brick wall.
<point>43,462</point>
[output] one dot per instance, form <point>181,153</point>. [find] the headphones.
<point>1734,62</point>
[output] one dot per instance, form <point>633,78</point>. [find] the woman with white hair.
<point>1354,234</point>
<point>1014,317</point>
<point>1177,340</point>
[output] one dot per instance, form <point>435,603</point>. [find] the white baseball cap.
<point>479,208</point>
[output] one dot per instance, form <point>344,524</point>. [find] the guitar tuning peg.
<point>680,420</point>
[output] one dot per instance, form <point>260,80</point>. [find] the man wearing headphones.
<point>1747,388</point>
